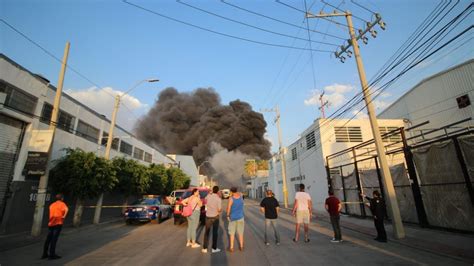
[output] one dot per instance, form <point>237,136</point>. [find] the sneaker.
<point>266,243</point>
<point>334,240</point>
<point>216,250</point>
<point>204,250</point>
<point>195,245</point>
<point>188,244</point>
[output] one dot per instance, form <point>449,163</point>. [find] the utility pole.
<point>43,183</point>
<point>391,199</point>
<point>281,153</point>
<point>323,104</point>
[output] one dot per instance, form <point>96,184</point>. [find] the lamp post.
<point>110,138</point>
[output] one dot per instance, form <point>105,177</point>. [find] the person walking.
<point>214,207</point>
<point>302,209</point>
<point>333,207</point>
<point>377,207</point>
<point>193,220</point>
<point>270,207</point>
<point>57,213</point>
<point>235,216</point>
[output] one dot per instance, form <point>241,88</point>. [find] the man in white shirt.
<point>302,209</point>
<point>213,209</point>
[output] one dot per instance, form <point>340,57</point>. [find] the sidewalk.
<point>455,245</point>
<point>13,241</point>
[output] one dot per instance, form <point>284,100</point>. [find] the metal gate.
<point>11,134</point>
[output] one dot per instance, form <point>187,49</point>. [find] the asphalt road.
<point>164,244</point>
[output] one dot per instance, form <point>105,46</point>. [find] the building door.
<point>11,134</point>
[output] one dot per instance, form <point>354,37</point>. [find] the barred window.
<point>294,154</point>
<point>65,120</point>
<point>395,137</point>
<point>126,148</point>
<point>310,140</point>
<point>348,134</point>
<point>148,157</point>
<point>18,99</point>
<point>115,141</point>
<point>138,153</point>
<point>87,131</point>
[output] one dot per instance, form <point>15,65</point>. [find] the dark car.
<point>178,207</point>
<point>148,209</point>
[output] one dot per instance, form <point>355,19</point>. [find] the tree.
<point>134,178</point>
<point>176,179</point>
<point>83,175</point>
<point>158,179</point>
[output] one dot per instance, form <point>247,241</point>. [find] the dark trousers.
<point>381,234</point>
<point>214,222</point>
<point>336,227</point>
<point>51,240</point>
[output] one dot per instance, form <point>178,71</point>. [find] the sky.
<point>115,45</point>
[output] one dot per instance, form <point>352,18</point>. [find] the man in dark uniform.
<point>377,207</point>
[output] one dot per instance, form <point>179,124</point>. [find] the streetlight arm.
<point>138,84</point>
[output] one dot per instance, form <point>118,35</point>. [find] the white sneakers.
<point>195,245</point>
<point>188,244</point>
<point>204,250</point>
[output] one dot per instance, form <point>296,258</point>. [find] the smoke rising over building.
<point>187,123</point>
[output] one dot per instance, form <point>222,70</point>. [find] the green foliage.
<point>176,179</point>
<point>134,178</point>
<point>159,179</point>
<point>82,174</point>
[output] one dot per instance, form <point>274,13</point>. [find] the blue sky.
<point>115,45</point>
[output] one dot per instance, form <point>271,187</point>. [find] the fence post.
<point>343,190</point>
<point>464,170</point>
<point>415,186</point>
<point>359,184</point>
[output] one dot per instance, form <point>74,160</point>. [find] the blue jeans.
<point>193,222</point>
<point>273,222</point>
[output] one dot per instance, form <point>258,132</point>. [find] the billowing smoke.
<point>227,166</point>
<point>187,123</point>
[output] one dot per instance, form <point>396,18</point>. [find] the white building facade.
<point>306,158</point>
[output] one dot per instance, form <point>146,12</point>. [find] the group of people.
<point>269,206</point>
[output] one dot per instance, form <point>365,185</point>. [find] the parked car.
<point>150,207</point>
<point>178,207</point>
<point>225,193</point>
<point>175,195</point>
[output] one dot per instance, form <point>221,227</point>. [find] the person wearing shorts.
<point>302,209</point>
<point>235,216</point>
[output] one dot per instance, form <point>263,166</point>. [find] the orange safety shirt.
<point>57,210</point>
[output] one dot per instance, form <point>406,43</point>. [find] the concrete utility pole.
<point>110,139</point>
<point>282,155</point>
<point>391,199</point>
<point>43,183</point>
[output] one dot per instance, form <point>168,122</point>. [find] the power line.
<point>337,8</point>
<point>363,7</point>
<point>249,25</point>
<point>217,32</point>
<point>280,21</point>
<point>311,53</point>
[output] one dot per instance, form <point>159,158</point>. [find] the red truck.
<point>178,207</point>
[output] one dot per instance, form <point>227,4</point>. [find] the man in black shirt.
<point>270,207</point>
<point>377,207</point>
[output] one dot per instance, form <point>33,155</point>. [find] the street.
<point>164,244</point>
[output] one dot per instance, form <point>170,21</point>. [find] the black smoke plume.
<point>187,123</point>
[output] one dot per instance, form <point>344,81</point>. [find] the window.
<point>138,153</point>
<point>148,157</point>
<point>310,140</point>
<point>126,148</point>
<point>87,131</point>
<point>294,154</point>
<point>115,142</point>
<point>18,99</point>
<point>395,137</point>
<point>65,120</point>
<point>348,134</point>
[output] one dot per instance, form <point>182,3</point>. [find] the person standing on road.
<point>57,213</point>
<point>193,220</point>
<point>235,216</point>
<point>270,207</point>
<point>214,207</point>
<point>377,207</point>
<point>333,206</point>
<point>302,209</point>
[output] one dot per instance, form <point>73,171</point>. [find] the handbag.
<point>187,210</point>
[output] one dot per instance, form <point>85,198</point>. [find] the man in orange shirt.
<point>57,212</point>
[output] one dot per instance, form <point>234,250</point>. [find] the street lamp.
<point>110,138</point>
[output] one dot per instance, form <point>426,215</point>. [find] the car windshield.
<point>178,194</point>
<point>153,201</point>
<point>202,194</point>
